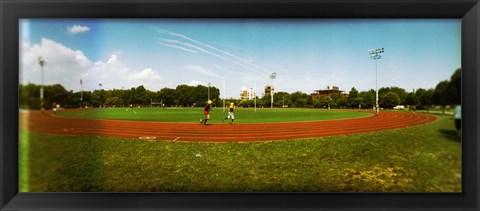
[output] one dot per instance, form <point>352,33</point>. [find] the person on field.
<point>231,108</point>
<point>42,107</point>
<point>206,112</point>
<point>130,107</point>
<point>54,108</point>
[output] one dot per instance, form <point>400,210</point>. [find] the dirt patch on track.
<point>46,123</point>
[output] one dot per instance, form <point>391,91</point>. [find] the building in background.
<point>247,94</point>
<point>327,92</point>
<point>268,89</point>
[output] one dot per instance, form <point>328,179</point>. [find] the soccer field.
<point>424,158</point>
<point>193,115</point>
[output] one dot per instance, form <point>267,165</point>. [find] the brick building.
<point>327,92</point>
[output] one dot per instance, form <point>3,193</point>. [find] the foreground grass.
<point>242,115</point>
<point>425,158</point>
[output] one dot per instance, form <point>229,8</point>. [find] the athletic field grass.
<point>193,115</point>
<point>425,158</point>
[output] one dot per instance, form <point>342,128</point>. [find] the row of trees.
<point>182,95</point>
<point>445,93</point>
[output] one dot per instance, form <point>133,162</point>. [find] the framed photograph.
<point>239,105</point>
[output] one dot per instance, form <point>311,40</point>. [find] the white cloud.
<point>66,66</point>
<point>114,74</point>
<point>195,83</point>
<point>78,29</point>
<point>112,59</point>
<point>63,65</point>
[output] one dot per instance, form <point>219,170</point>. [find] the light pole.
<point>99,95</point>
<point>81,90</point>
<point>223,95</point>
<point>375,54</point>
<point>255,96</point>
<point>42,62</point>
<point>272,76</point>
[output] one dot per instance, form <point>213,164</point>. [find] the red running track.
<point>46,123</point>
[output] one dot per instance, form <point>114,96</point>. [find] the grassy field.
<point>195,114</point>
<point>424,158</point>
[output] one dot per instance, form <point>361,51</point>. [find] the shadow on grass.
<point>450,134</point>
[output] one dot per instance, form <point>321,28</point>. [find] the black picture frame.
<point>13,10</point>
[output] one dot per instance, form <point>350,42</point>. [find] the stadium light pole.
<point>223,95</point>
<point>272,76</point>
<point>99,95</point>
<point>42,62</point>
<point>375,55</point>
<point>81,90</point>
<point>255,96</point>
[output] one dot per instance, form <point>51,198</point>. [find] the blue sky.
<point>306,54</point>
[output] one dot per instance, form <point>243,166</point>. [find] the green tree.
<point>266,99</point>
<point>336,95</point>
<point>342,102</point>
<point>120,94</point>
<point>317,103</point>
<point>359,101</point>
<point>411,99</point>
<point>401,93</point>
<point>299,99</point>
<point>73,100</point>
<point>29,96</point>
<point>301,103</point>
<point>260,102</point>
<point>389,100</point>
<point>215,94</point>
<point>352,96</point>
<point>167,96</point>
<point>142,96</point>
<point>281,99</point>
<point>424,97</point>
<point>130,96</point>
<point>328,102</point>
<point>455,88</point>
<point>58,94</point>
<point>186,96</point>
<point>113,101</point>
<point>418,93</point>
<point>243,103</point>
<point>368,98</point>
<point>87,99</point>
<point>440,96</point>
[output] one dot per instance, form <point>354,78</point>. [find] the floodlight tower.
<point>375,55</point>
<point>100,95</point>
<point>223,95</point>
<point>255,97</point>
<point>272,76</point>
<point>81,90</point>
<point>42,62</point>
